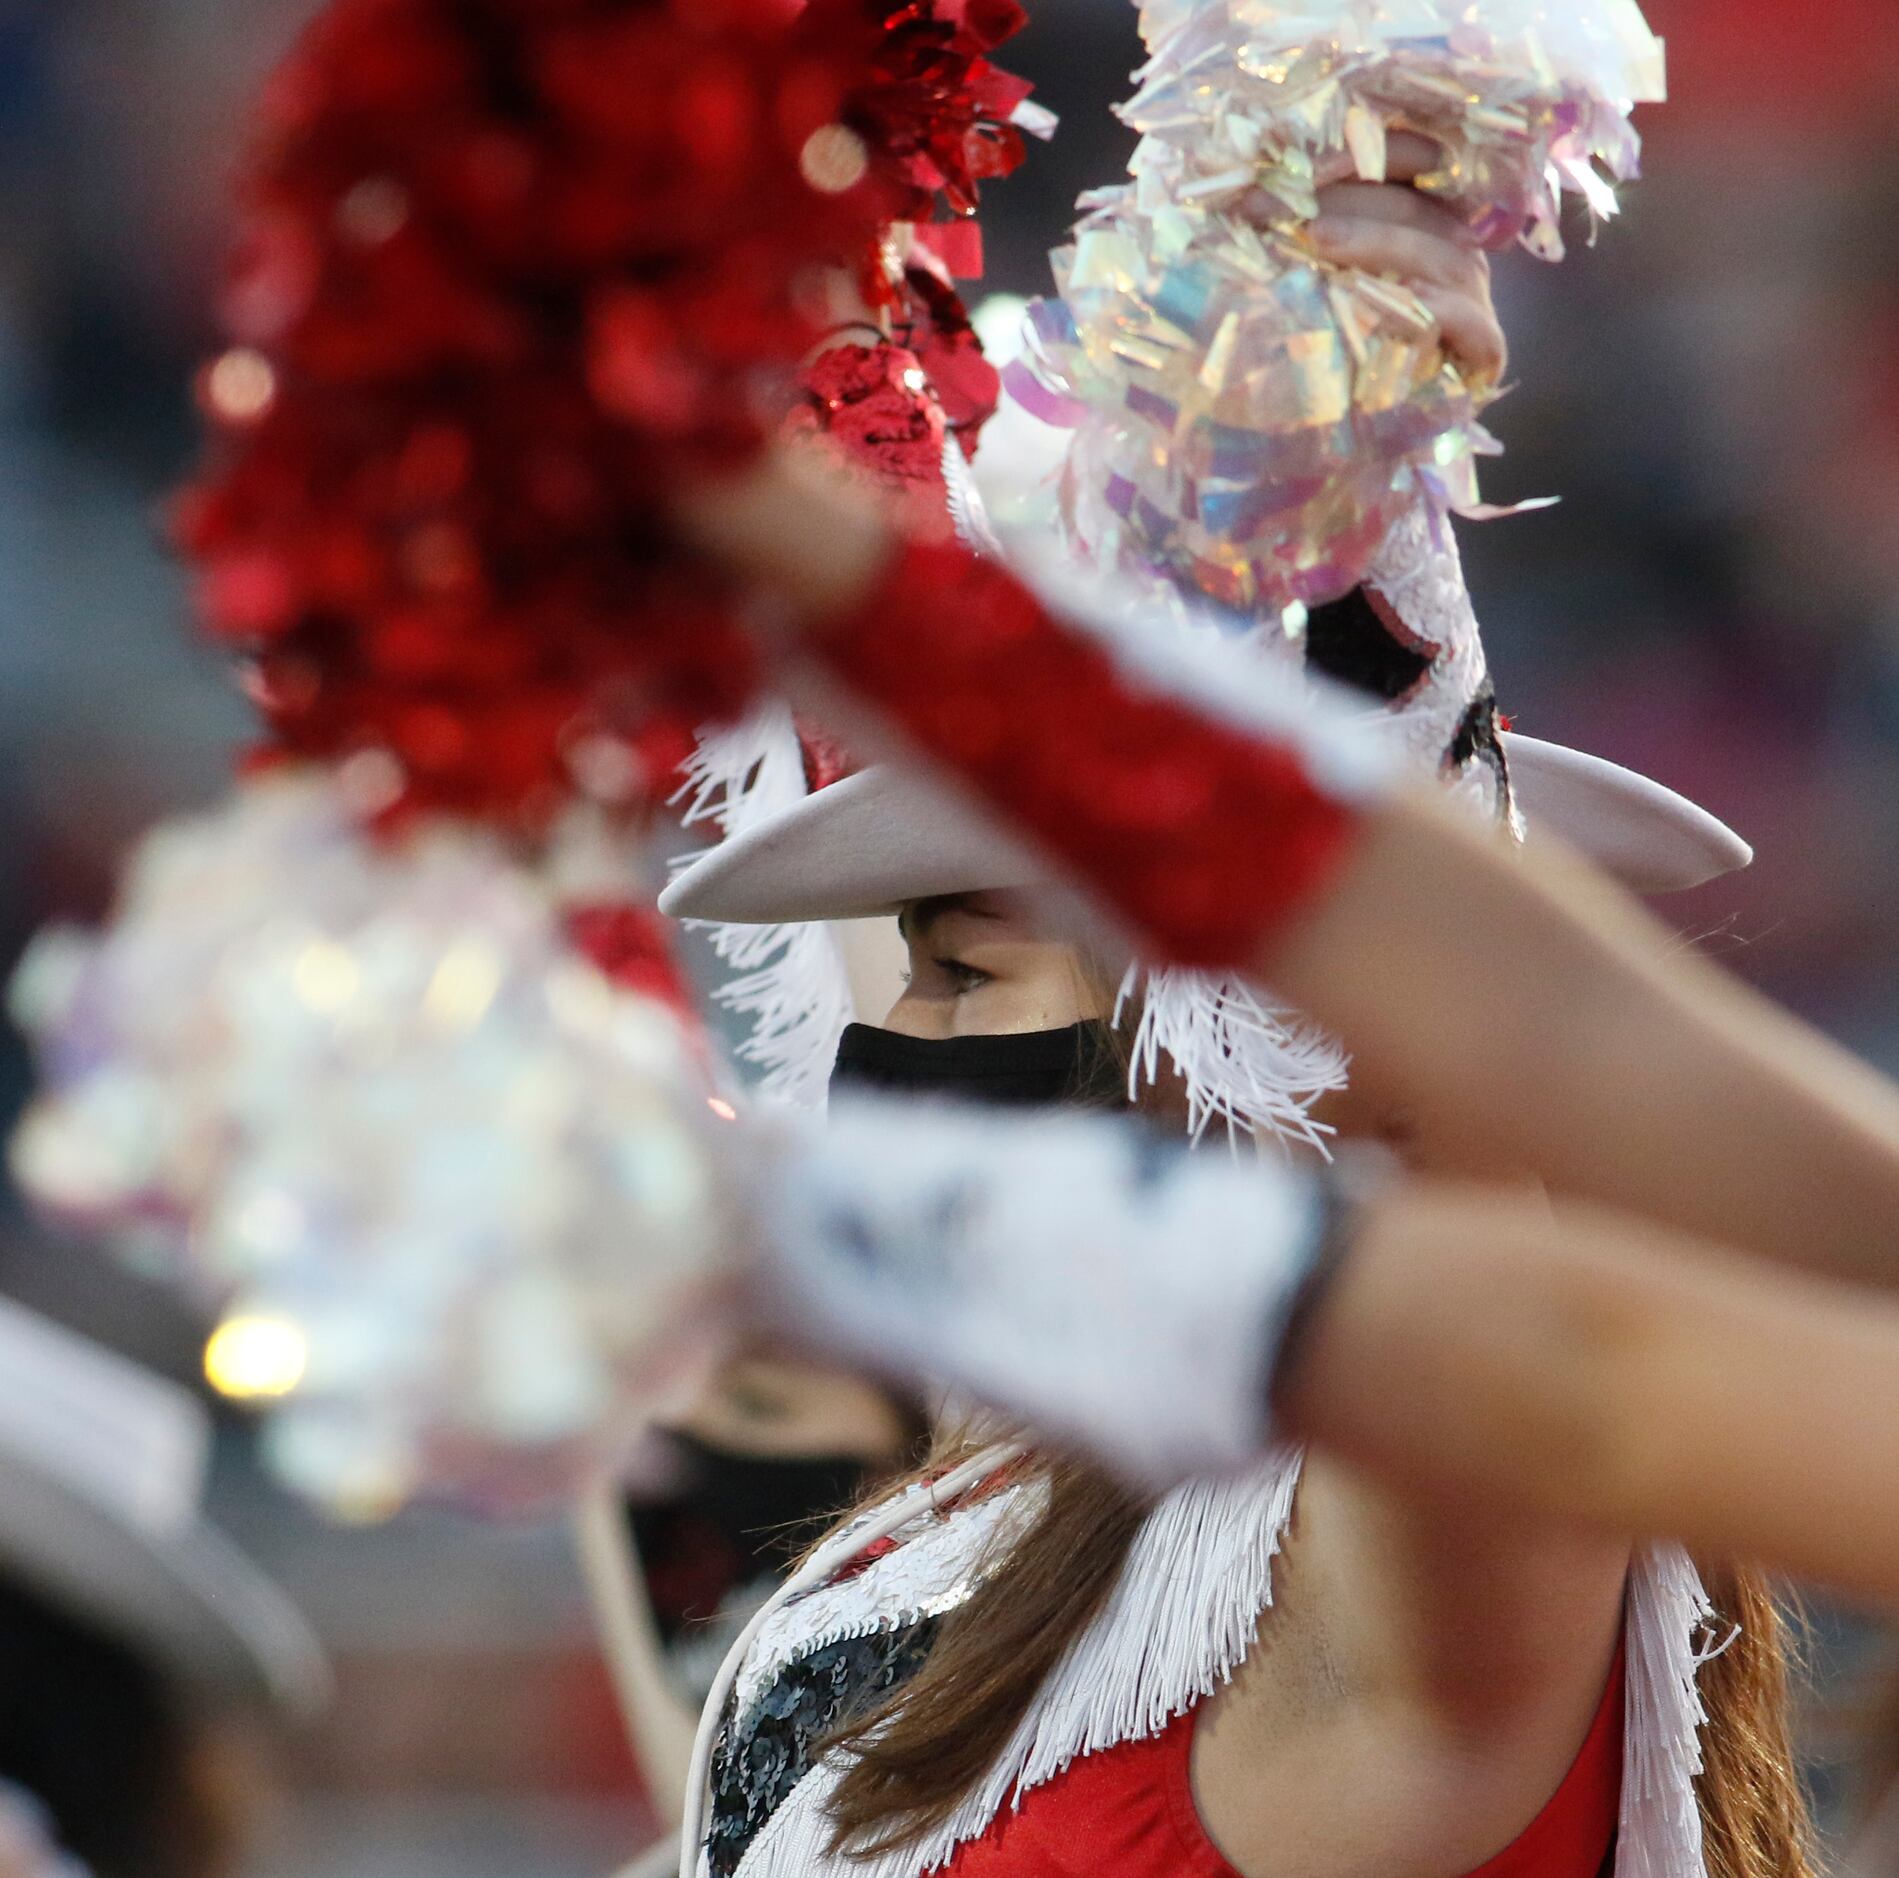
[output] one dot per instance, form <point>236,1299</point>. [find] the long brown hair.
<point>910,1762</point>
<point>1753,1809</point>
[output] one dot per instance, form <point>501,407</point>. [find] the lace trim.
<point>932,1566</point>
<point>759,1762</point>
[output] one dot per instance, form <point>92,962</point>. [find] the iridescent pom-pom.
<point>1251,420</point>
<point>448,1180</point>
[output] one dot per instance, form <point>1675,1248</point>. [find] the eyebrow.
<point>917,918</point>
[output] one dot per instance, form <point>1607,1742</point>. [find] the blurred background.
<point>1713,391</point>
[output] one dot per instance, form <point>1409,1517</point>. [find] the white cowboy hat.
<point>102,1474</point>
<point>1405,643</point>
<point>874,840</point>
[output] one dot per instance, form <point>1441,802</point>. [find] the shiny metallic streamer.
<point>1249,419</point>
<point>365,1099</point>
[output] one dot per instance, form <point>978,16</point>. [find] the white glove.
<point>1113,1289</point>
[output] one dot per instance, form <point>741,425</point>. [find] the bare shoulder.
<point>1423,1679</point>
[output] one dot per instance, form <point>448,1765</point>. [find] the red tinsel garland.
<point>873,405</point>
<point>510,269</point>
<point>934,108</point>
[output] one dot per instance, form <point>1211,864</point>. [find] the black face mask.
<point>1016,1069</point>
<point>730,1520</point>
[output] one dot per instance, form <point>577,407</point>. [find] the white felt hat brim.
<point>1638,832</point>
<point>876,840</point>
<point>865,846</point>
<point>180,1591</point>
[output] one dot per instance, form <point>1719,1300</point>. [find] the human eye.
<point>962,977</point>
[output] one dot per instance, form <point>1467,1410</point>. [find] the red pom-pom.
<point>934,111</point>
<point>631,946</point>
<point>510,270</point>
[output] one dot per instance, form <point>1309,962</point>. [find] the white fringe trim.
<point>1247,1063</point>
<point>1178,1624</point>
<point>790,981</point>
<point>1668,1611</point>
<point>968,516</point>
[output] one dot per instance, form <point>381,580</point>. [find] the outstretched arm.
<point>1530,1008</point>
<point>1174,1313</point>
<point>1590,1366</point>
<point>1510,999</point>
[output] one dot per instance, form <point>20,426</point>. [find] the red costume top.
<point>1094,1781</point>
<point>1129,1811</point>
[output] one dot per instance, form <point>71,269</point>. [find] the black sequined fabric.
<point>1346,640</point>
<point>1477,734</point>
<point>759,1759</point>
<point>1479,739</point>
